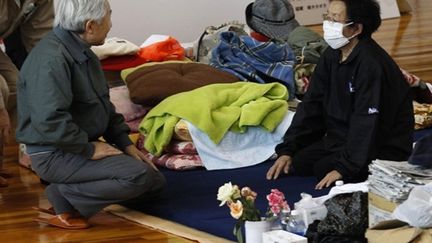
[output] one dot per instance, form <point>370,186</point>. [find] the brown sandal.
<point>64,221</point>
<point>49,210</point>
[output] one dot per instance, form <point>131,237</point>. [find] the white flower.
<point>225,193</point>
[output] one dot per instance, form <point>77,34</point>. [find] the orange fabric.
<point>169,49</point>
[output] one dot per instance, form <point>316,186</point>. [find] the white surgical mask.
<point>333,34</point>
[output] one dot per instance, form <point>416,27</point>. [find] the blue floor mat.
<point>190,196</point>
<point>421,133</point>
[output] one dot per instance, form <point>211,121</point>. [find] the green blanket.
<point>215,109</point>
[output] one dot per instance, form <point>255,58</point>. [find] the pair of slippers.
<point>65,221</point>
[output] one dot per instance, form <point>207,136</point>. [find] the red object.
<point>259,37</point>
<point>116,63</point>
<point>169,49</point>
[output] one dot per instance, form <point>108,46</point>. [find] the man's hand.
<point>331,177</point>
<point>283,163</point>
<point>103,150</point>
<point>134,152</point>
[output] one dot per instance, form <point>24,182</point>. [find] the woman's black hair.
<point>366,12</point>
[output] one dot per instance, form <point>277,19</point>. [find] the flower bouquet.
<point>241,203</point>
<point>276,204</point>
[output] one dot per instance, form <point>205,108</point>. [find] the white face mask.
<point>333,34</point>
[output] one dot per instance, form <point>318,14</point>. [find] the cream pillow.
<point>115,47</point>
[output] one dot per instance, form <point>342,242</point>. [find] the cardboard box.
<point>380,209</point>
<point>278,236</point>
<point>405,6</point>
<point>396,231</point>
<point>310,12</point>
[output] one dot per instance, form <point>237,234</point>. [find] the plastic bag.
<point>347,215</point>
<point>314,237</point>
<point>169,49</point>
<point>417,209</point>
<point>310,209</point>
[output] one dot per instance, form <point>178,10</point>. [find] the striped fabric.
<point>255,61</point>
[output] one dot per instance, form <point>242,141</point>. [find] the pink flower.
<point>276,201</point>
<point>242,205</point>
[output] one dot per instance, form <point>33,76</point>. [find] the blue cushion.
<point>421,133</point>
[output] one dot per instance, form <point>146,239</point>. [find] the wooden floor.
<point>25,191</point>
<point>408,39</point>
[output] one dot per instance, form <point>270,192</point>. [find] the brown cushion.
<point>149,85</point>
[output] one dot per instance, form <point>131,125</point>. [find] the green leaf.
<point>237,231</point>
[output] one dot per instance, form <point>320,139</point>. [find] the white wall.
<point>185,20</point>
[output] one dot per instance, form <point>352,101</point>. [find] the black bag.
<point>346,220</point>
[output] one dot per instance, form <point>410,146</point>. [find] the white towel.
<point>238,150</point>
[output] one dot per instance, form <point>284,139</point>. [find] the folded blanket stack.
<point>215,109</point>
<point>178,155</point>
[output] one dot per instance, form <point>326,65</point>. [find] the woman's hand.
<point>134,152</point>
<point>331,177</point>
<point>283,163</point>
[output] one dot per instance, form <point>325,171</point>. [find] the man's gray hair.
<point>73,14</point>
